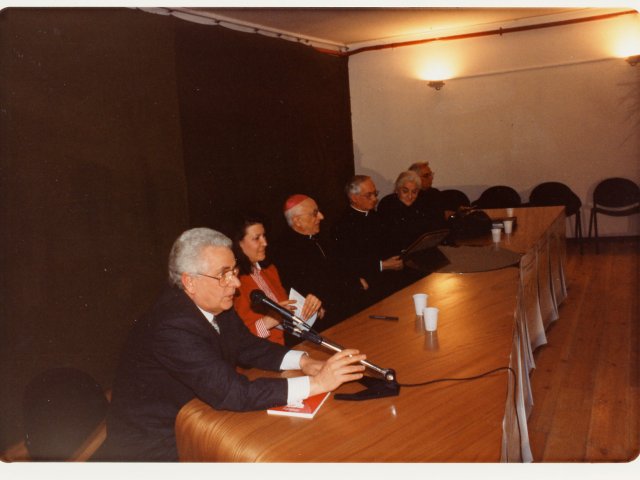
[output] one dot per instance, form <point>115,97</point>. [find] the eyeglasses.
<point>225,278</point>
<point>313,213</point>
<point>407,191</point>
<point>371,195</point>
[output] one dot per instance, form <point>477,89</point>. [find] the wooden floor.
<point>586,383</point>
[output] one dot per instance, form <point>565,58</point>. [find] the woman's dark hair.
<point>237,231</point>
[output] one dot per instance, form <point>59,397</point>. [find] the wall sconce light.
<point>437,85</point>
<point>633,60</point>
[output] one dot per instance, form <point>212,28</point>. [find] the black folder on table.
<point>423,254</point>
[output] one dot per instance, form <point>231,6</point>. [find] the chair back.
<point>498,196</point>
<point>62,407</point>
<point>616,193</point>
<point>453,199</point>
<point>555,193</point>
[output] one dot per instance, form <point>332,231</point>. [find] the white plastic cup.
<point>430,317</point>
<point>508,226</point>
<point>509,212</point>
<point>495,234</point>
<point>420,302</point>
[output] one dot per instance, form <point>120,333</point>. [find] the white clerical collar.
<point>366,212</point>
<point>302,233</point>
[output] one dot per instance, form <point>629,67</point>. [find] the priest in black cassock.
<point>307,263</point>
<point>362,244</point>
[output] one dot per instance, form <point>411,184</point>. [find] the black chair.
<point>498,196</point>
<point>556,193</point>
<point>454,199</point>
<point>616,197</point>
<point>64,415</point>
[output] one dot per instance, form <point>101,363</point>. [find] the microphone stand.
<point>387,386</point>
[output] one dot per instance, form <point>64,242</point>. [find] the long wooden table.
<point>480,328</point>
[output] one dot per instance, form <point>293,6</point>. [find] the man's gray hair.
<point>416,167</point>
<point>408,176</point>
<point>185,256</point>
<point>293,212</point>
<point>353,186</point>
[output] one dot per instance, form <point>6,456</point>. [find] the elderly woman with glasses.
<point>403,219</point>
<point>257,272</point>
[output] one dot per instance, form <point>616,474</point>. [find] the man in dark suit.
<point>307,263</point>
<point>189,345</point>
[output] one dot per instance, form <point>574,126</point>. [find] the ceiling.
<point>356,27</point>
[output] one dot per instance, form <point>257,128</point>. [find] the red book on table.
<point>306,409</point>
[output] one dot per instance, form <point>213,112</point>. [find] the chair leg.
<point>595,230</point>
<point>591,216</point>
<point>578,231</point>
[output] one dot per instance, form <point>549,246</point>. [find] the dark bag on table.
<point>470,224</point>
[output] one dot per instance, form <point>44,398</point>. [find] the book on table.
<point>307,408</point>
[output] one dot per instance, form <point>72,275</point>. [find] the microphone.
<point>299,328</point>
<point>258,296</point>
<point>295,325</point>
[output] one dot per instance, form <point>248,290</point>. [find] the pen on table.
<point>383,317</point>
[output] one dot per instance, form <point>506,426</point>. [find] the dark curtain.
<point>262,119</point>
<point>118,130</point>
<point>92,187</point>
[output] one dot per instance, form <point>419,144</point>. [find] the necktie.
<point>214,322</point>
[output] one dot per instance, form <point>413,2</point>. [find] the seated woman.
<point>257,272</point>
<point>403,219</point>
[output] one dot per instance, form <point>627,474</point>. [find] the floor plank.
<point>585,385</point>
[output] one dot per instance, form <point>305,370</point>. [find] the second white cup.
<point>495,234</point>
<point>508,226</point>
<point>430,317</point>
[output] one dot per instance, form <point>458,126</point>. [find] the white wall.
<point>518,109</point>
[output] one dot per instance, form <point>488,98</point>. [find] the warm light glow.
<point>626,43</point>
<point>436,68</point>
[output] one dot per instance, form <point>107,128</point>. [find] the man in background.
<point>429,199</point>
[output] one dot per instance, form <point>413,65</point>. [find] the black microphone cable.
<point>475,377</point>
<point>461,379</point>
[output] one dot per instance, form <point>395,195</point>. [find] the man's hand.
<point>340,368</point>
<point>393,263</point>
<point>310,366</point>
